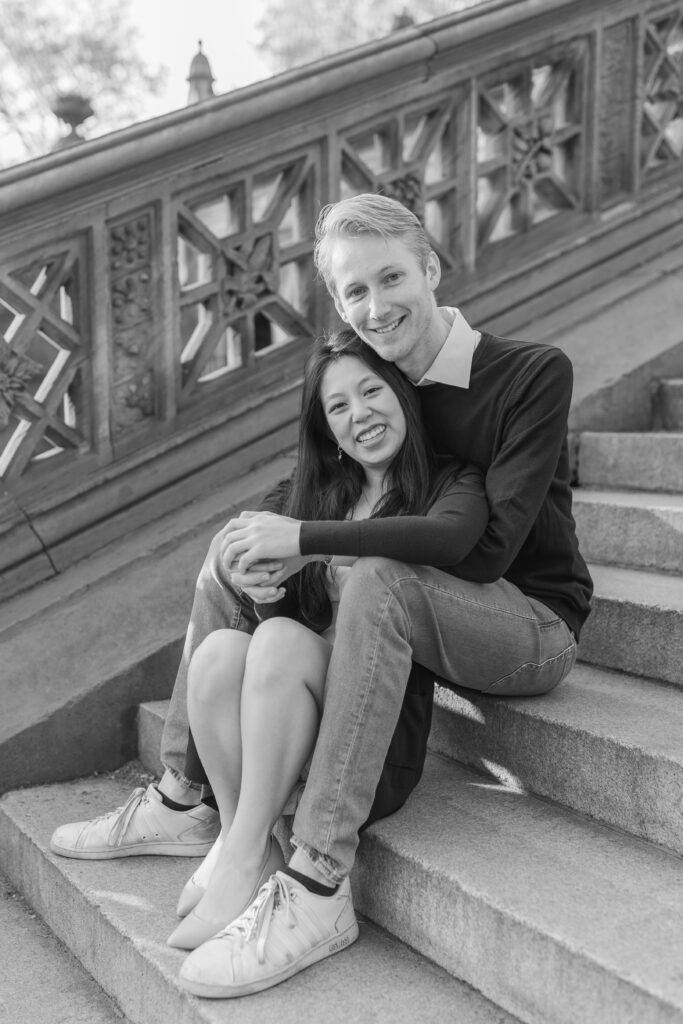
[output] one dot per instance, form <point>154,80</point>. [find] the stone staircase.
<point>535,874</point>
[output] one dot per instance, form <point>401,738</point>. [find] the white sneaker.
<point>286,929</point>
<point>143,825</point>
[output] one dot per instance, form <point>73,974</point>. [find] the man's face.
<point>383,293</point>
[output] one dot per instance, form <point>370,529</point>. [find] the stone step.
<point>602,743</point>
<point>40,979</point>
<point>113,627</point>
<point>640,529</point>
<point>668,405</point>
<point>636,624</point>
<point>552,916</point>
<point>648,462</point>
<point>116,916</point>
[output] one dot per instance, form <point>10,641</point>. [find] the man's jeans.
<point>485,636</point>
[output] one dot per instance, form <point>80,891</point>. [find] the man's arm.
<point>525,465</point>
<point>442,537</point>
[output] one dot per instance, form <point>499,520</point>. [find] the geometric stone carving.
<point>530,148</point>
<point>41,355</point>
<point>662,114</point>
<point>244,271</point>
<point>412,157</point>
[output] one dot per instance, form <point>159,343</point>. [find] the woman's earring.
<point>339,453</point>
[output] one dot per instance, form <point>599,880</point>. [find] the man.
<point>507,623</point>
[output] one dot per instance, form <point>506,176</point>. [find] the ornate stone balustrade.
<point>156,285</point>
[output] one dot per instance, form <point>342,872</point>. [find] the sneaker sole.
<point>320,952</point>
<point>139,850</point>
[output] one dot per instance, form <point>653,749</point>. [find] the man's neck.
<point>416,366</point>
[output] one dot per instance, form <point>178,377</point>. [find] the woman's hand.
<point>259,537</point>
<point>262,581</point>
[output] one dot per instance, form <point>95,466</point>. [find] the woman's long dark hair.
<point>325,487</point>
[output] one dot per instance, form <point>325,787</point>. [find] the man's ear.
<point>433,270</point>
<point>340,309</point>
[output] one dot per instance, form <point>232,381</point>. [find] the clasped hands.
<point>260,550</point>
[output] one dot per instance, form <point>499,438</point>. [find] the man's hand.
<point>262,581</point>
<point>258,537</point>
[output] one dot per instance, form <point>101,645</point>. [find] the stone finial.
<point>73,109</point>
<point>200,78</point>
<point>402,20</point>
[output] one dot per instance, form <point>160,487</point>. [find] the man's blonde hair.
<point>366,214</point>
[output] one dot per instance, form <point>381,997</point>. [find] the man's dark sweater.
<point>512,424</point>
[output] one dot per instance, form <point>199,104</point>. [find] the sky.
<point>170,29</point>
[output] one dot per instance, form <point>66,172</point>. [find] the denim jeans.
<point>487,637</point>
<point>217,605</point>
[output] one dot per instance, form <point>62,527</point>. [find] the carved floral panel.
<point>245,270</point>
<point>42,352</point>
<point>133,350</point>
<point>530,144</point>
<point>662,115</point>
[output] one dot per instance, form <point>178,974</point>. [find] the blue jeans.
<point>217,605</point>
<point>485,636</point>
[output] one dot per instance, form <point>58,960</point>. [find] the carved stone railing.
<point>156,285</point>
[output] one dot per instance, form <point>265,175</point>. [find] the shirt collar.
<point>453,363</point>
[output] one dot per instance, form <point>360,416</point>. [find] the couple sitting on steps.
<point>426,532</point>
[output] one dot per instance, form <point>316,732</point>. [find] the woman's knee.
<point>275,642</point>
<point>284,653</point>
<point>217,665</point>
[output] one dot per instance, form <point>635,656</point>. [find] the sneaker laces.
<point>255,921</point>
<point>122,816</point>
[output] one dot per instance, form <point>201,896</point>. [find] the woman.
<point>368,479</point>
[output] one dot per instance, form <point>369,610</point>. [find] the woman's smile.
<point>371,434</point>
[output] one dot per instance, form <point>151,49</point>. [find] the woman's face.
<point>363,413</point>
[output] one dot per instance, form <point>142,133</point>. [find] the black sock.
<point>173,804</point>
<point>315,887</point>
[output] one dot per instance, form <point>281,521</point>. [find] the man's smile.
<point>388,327</point>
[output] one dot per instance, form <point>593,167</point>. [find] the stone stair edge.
<point>575,746</point>
<point>630,529</point>
<point>675,436</point>
<point>477,905</point>
<point>115,916</point>
<point>622,496</point>
<point>635,625</point>
<point>638,696</point>
<point>626,773</point>
<point>596,907</point>
<point>54,985</point>
<point>630,460</point>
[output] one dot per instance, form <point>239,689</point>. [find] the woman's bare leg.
<point>214,697</point>
<point>282,695</point>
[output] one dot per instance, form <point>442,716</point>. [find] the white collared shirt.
<point>453,363</point>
